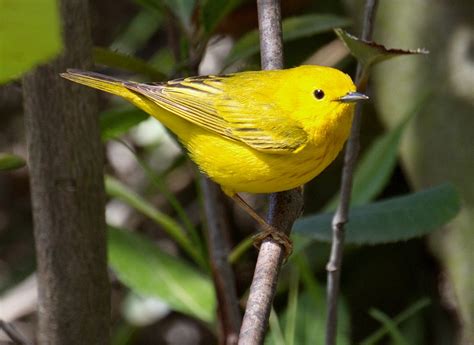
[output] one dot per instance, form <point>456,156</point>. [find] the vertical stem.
<point>224,282</point>
<point>66,171</point>
<point>13,333</point>
<point>341,216</point>
<point>284,207</point>
<point>271,43</point>
<point>218,229</point>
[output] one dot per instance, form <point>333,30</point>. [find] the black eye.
<point>319,94</point>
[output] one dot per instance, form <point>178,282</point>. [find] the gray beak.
<point>353,97</point>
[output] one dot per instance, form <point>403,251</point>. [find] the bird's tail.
<point>132,92</point>
<point>99,81</point>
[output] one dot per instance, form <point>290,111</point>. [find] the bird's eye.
<point>319,94</point>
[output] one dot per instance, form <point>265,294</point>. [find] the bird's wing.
<point>202,101</point>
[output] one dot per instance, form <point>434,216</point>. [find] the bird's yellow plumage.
<point>257,132</point>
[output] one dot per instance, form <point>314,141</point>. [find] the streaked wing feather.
<point>185,102</point>
<point>202,101</point>
<point>261,129</point>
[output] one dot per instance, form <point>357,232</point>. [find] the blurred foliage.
<point>116,189</point>
<point>212,12</point>
<point>385,287</point>
<point>292,29</point>
<point>117,121</point>
<point>127,62</point>
<point>304,319</point>
<point>376,166</point>
<point>29,35</point>
<point>391,324</point>
<point>151,272</point>
<point>371,53</point>
<point>389,220</point>
<point>10,162</point>
<point>439,145</point>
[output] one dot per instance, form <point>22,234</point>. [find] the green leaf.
<point>390,326</point>
<point>158,181</point>
<point>310,311</point>
<point>311,322</point>
<point>10,162</point>
<point>292,308</point>
<point>29,35</point>
<point>237,252</point>
<point>212,12</point>
<point>275,336</point>
<point>182,9</point>
<point>164,61</point>
<point>403,316</point>
<point>309,25</point>
<point>390,220</point>
<point>376,167</point>
<point>116,122</point>
<point>377,164</point>
<point>293,28</point>
<point>139,31</point>
<point>110,58</point>
<point>317,295</point>
<point>369,53</point>
<point>118,190</point>
<point>150,272</point>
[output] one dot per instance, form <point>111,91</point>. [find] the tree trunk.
<point>66,163</point>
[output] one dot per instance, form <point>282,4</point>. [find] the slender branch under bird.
<point>285,207</point>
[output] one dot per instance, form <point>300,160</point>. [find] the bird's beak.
<point>353,97</point>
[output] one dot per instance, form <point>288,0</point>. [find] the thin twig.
<point>14,334</point>
<point>224,281</point>
<point>217,225</point>
<point>218,230</point>
<point>284,207</point>
<point>341,217</point>
<point>271,43</point>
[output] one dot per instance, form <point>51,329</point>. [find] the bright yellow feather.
<point>257,132</point>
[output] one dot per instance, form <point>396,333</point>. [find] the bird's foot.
<point>270,232</point>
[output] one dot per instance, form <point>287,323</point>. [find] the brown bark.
<point>66,162</point>
<point>284,208</point>
<point>341,217</point>
<point>222,273</point>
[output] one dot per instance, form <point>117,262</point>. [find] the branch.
<point>341,216</point>
<point>13,333</point>
<point>217,228</point>
<point>271,43</point>
<point>224,281</point>
<point>67,191</point>
<point>284,207</point>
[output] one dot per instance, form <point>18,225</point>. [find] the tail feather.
<point>100,82</point>
<point>131,92</point>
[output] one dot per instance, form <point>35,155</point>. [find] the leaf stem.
<point>341,217</point>
<point>158,182</point>
<point>116,189</point>
<point>240,249</point>
<point>403,316</point>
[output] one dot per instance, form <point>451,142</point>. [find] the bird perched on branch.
<point>255,132</point>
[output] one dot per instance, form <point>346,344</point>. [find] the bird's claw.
<point>277,236</point>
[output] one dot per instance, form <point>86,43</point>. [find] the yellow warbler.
<point>257,132</point>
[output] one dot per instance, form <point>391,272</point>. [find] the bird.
<point>253,131</point>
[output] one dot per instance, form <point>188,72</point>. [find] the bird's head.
<point>321,94</point>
